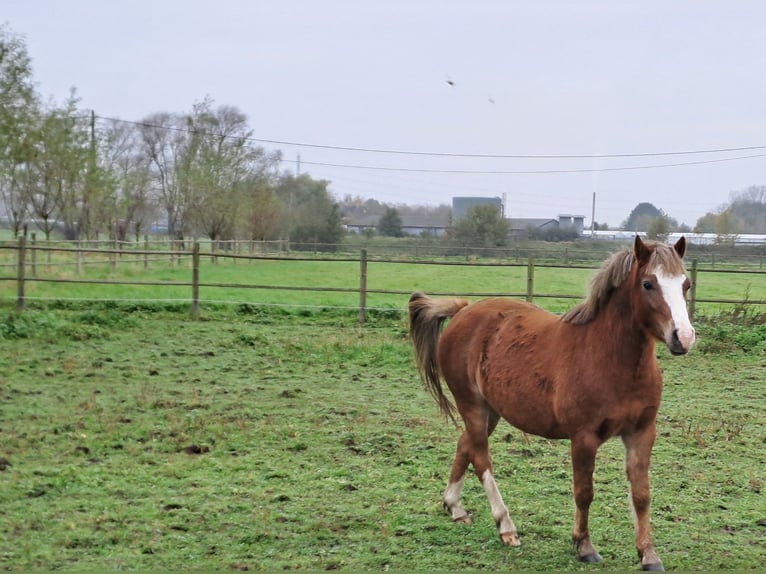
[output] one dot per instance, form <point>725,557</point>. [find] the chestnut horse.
<point>587,376</point>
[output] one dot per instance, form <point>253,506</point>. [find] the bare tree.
<point>129,171</point>
<point>165,142</point>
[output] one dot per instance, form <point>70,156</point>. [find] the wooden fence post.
<point>34,255</point>
<point>530,279</point>
<point>21,299</point>
<point>146,252</point>
<point>195,281</point>
<point>693,290</point>
<point>363,287</point>
<point>78,257</point>
<point>113,255</point>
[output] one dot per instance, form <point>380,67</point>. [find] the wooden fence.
<point>27,262</point>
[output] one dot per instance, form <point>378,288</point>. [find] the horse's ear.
<point>680,247</point>
<point>641,251</point>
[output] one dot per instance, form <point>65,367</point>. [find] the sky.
<point>416,101</point>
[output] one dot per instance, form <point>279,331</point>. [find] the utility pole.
<point>593,217</point>
<point>298,166</point>
<point>90,180</point>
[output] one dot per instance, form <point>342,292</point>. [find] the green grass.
<point>279,439</point>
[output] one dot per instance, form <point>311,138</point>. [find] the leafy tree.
<point>266,213</point>
<point>641,216</point>
<point>223,162</point>
<point>482,226</point>
<point>390,224</point>
<point>659,229</point>
<point>706,223</point>
<point>745,213</point>
<point>726,226</point>
<point>313,216</point>
<point>62,161</point>
<point>19,107</point>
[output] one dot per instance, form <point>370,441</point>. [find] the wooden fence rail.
<point>26,260</point>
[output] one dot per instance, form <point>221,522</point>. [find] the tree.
<point>482,226</point>
<point>223,162</point>
<point>727,226</point>
<point>129,174</point>
<point>748,208</point>
<point>63,159</point>
<point>706,223</point>
<point>639,218</point>
<point>19,110</point>
<point>659,229</point>
<point>168,145</point>
<point>266,213</point>
<point>745,213</point>
<point>313,216</point>
<point>390,224</point>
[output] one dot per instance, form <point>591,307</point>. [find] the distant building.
<point>521,226</point>
<point>432,227</point>
<point>461,205</point>
<point>567,221</point>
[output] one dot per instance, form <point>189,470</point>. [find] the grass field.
<point>258,438</point>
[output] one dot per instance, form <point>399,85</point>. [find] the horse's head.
<point>659,293</point>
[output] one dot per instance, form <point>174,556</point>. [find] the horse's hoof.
<point>656,567</point>
<point>595,557</point>
<point>465,519</point>
<point>510,538</point>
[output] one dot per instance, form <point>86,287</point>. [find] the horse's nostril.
<point>676,346</point>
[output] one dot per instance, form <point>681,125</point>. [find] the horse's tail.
<point>427,317</point>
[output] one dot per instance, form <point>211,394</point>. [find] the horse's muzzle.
<point>680,344</point>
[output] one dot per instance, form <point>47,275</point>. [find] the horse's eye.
<point>648,285</point>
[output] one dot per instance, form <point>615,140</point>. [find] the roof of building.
<point>531,222</point>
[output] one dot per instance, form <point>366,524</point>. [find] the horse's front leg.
<point>638,452</point>
<point>583,462</point>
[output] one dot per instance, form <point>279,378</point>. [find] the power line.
<point>531,171</point>
<point>469,155</point>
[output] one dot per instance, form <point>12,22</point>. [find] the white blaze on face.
<point>672,292</point>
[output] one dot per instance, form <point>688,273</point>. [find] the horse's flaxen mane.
<point>614,272</point>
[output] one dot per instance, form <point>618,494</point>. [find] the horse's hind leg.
<point>463,457</point>
<point>473,447</point>
<point>456,479</point>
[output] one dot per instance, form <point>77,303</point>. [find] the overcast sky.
<point>503,78</point>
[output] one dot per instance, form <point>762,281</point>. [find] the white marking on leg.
<point>452,499</point>
<point>499,509</point>
<point>672,292</point>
